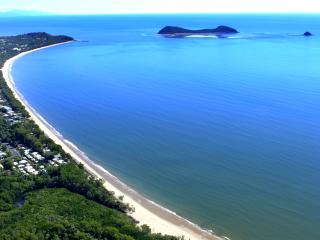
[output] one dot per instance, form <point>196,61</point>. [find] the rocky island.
<point>307,34</point>
<point>172,31</point>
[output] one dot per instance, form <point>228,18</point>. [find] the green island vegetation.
<point>44,193</point>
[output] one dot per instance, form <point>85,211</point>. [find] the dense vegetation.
<point>66,203</point>
<point>63,202</point>
<point>12,45</point>
<point>60,214</point>
<point>70,176</point>
<point>5,131</point>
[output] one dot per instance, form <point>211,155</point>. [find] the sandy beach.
<point>159,219</point>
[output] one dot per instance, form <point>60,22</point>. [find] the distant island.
<point>172,31</point>
<point>307,34</point>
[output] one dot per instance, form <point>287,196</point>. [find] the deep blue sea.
<point>225,132</point>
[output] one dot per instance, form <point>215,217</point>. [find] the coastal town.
<point>19,157</point>
<point>20,151</point>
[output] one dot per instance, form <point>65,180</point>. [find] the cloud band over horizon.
<point>162,6</point>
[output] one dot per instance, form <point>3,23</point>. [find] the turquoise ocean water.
<point>225,132</point>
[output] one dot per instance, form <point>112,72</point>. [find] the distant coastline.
<point>147,212</point>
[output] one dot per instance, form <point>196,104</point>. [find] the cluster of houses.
<point>7,45</point>
<point>8,113</point>
<point>28,162</point>
<point>21,48</point>
<point>24,159</point>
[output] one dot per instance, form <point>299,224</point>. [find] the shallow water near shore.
<point>225,132</point>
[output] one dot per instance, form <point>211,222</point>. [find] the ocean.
<point>224,132</point>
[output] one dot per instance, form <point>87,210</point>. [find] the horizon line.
<point>40,13</point>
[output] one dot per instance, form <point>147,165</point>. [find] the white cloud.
<point>162,6</point>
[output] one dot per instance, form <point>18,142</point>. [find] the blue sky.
<point>160,6</point>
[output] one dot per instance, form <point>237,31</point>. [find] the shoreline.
<point>158,218</point>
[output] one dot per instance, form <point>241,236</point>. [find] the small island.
<point>171,31</point>
<point>307,34</point>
